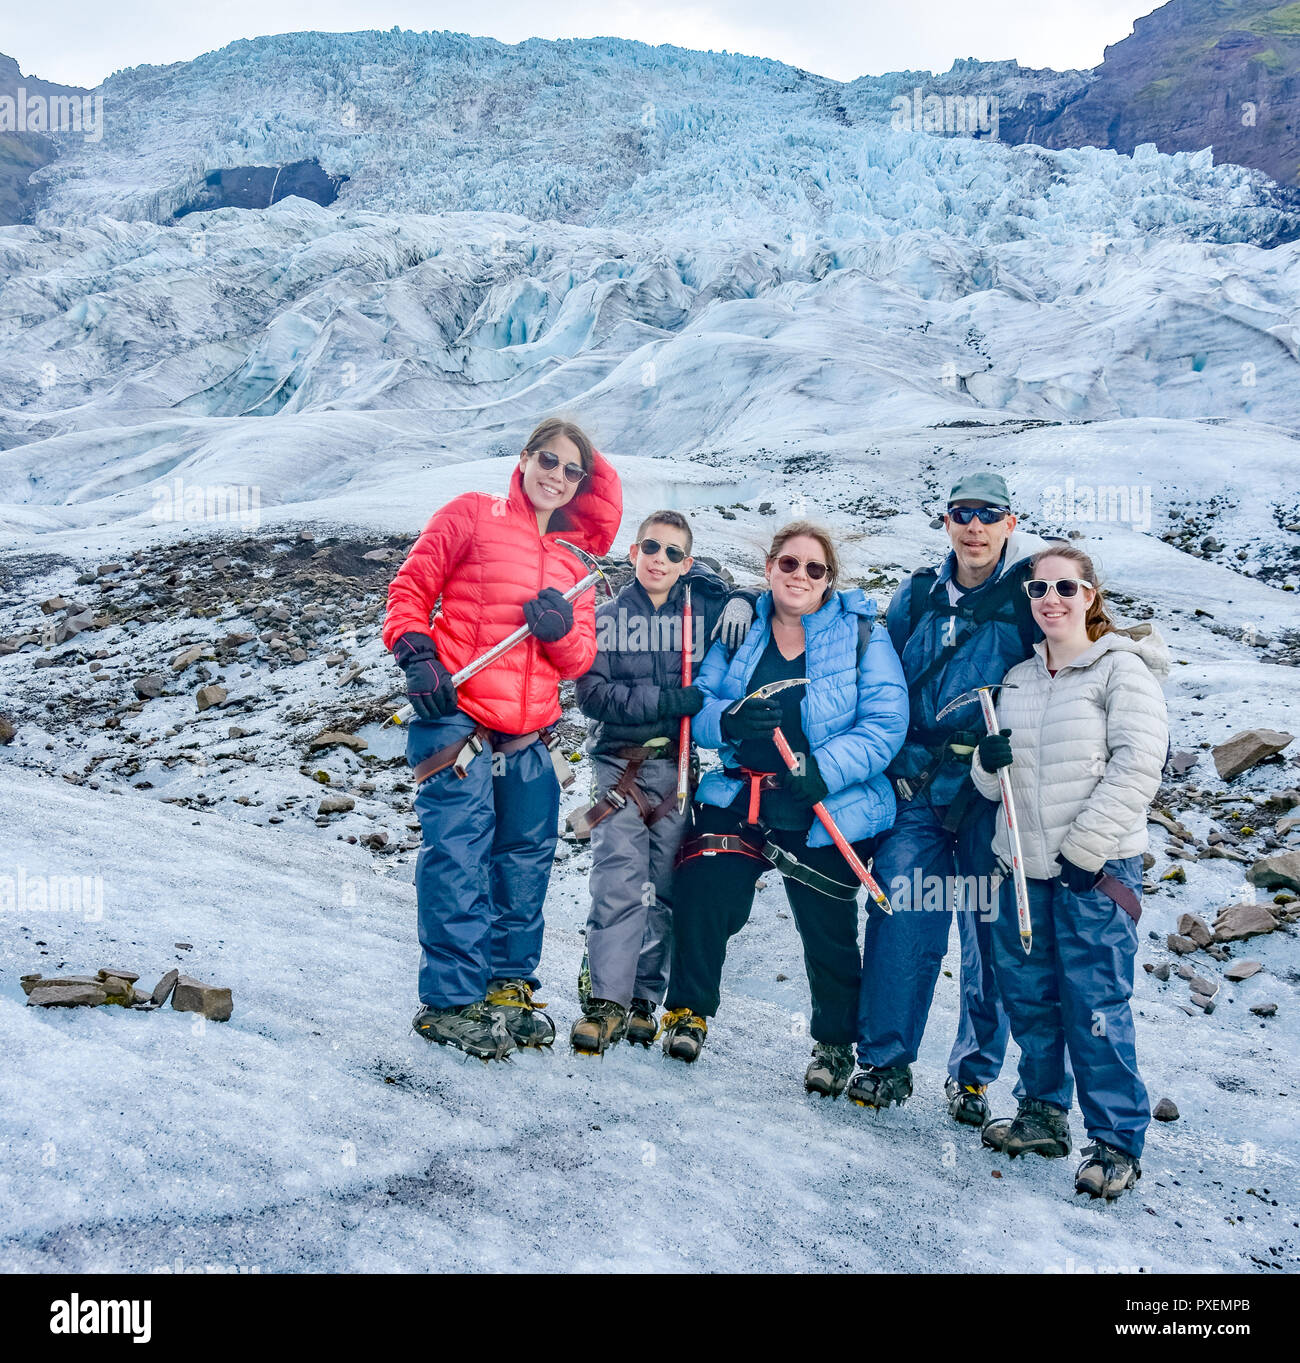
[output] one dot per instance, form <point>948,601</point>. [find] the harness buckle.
<point>471,748</point>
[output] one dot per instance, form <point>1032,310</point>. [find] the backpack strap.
<point>866,624</point>
<point>918,603</point>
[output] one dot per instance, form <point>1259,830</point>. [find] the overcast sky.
<point>79,42</point>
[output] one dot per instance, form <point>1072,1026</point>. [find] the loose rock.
<point>163,989</point>
<point>1280,871</point>
<point>1247,748</point>
<point>336,804</point>
<point>117,991</point>
<point>1264,1010</point>
<point>1239,921</point>
<point>1243,970</point>
<point>1166,1110</point>
<point>1194,926</point>
<point>192,996</point>
<point>66,996</point>
<point>189,656</point>
<point>1170,825</point>
<point>208,696</point>
<point>336,738</point>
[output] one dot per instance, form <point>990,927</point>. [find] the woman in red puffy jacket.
<point>488,796</point>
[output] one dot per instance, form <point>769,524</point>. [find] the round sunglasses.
<point>986,515</point>
<point>652,547</point>
<point>1064,587</point>
<point>548,461</point>
<point>789,564</point>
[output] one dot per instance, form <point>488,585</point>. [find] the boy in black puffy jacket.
<point>635,697</point>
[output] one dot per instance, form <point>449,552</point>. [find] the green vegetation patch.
<point>1284,19</point>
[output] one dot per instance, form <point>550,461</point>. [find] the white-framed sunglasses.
<point>1064,587</point>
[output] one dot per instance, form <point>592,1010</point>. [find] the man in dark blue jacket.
<point>634,693</point>
<point>956,627</point>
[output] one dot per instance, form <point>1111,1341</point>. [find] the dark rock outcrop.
<point>261,186</point>
<point>1194,74</point>
<point>22,153</point>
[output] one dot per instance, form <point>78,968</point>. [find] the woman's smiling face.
<point>796,593</point>
<point>1060,617</point>
<point>550,489</point>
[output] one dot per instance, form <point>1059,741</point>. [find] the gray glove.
<point>734,622</point>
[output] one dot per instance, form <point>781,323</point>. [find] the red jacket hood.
<point>592,518</point>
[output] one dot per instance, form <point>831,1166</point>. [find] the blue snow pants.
<point>916,864</point>
<point>1070,997</point>
<point>482,873</point>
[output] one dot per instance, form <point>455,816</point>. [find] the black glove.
<point>1075,878</point>
<point>549,615</point>
<point>428,683</point>
<point>674,702</point>
<point>807,787</point>
<point>995,750</point>
<point>754,719</point>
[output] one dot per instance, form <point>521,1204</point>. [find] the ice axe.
<point>684,731</point>
<point>519,635</point>
<point>984,694</point>
<point>787,756</point>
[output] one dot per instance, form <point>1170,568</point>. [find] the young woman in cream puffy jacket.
<point>1084,740</point>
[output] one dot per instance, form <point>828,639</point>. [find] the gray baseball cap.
<point>981,487</point>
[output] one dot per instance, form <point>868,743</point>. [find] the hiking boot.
<point>641,1025</point>
<point>1037,1128</point>
<point>967,1103</point>
<point>830,1069</point>
<point>881,1088</point>
<point>1107,1172</point>
<point>513,999</point>
<point>684,1034</point>
<point>601,1025</point>
<point>473,1028</point>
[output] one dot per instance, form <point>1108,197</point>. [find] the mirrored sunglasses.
<point>986,515</point>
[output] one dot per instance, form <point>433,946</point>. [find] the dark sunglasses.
<point>789,564</point>
<point>573,472</point>
<point>987,515</point>
<point>652,547</point>
<point>1065,587</point>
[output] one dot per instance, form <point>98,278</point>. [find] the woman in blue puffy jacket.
<point>844,725</point>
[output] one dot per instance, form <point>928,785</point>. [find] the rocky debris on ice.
<point>114,986</point>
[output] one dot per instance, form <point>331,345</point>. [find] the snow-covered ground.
<point>315,1131</point>
<point>184,400</point>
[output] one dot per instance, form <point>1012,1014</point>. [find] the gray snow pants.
<point>629,927</point>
